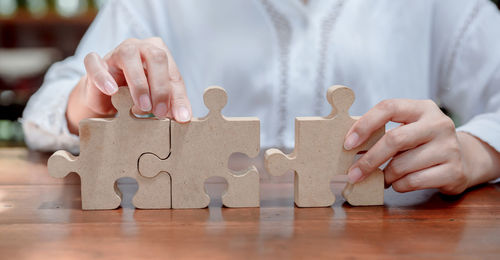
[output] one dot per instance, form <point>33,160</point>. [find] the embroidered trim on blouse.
<point>327,27</point>
<point>284,33</point>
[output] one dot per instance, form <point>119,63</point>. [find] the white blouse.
<point>276,59</point>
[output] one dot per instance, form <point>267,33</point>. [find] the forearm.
<point>482,162</point>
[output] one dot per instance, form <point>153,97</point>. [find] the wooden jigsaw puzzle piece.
<point>94,195</point>
<point>318,151</point>
<point>313,163</point>
<point>109,150</point>
<point>369,192</point>
<point>201,149</point>
<point>319,154</point>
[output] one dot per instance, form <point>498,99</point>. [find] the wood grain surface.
<point>41,218</point>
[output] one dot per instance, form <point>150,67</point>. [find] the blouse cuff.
<point>485,127</point>
<point>45,126</point>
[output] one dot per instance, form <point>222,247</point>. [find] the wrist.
<point>71,108</point>
<point>481,162</point>
<point>77,109</point>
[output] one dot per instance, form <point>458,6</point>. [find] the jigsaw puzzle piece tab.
<point>61,163</point>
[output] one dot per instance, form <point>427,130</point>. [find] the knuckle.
<point>447,123</point>
<point>447,190</point>
<point>156,55</point>
<point>127,50</point>
<point>395,138</point>
<point>459,181</point>
<point>441,125</point>
<point>395,170</point>
<point>430,103</point>
<point>140,83</point>
<point>158,42</point>
<point>366,164</point>
<point>431,107</point>
<point>155,40</point>
<point>451,189</point>
<point>387,105</point>
<point>413,183</point>
<point>131,41</point>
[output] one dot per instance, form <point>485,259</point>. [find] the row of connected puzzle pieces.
<point>171,161</point>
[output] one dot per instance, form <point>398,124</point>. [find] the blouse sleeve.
<point>44,121</point>
<point>470,75</point>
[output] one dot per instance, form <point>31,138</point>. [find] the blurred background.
<point>33,35</point>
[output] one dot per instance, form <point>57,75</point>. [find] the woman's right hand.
<point>146,67</point>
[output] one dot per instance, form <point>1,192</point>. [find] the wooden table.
<point>40,218</point>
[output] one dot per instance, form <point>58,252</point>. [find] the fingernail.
<point>354,175</point>
<point>351,141</point>
<point>110,87</point>
<point>182,114</point>
<point>144,103</point>
<point>161,110</point>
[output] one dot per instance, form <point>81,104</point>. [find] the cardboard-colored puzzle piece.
<point>201,149</point>
<point>319,154</point>
<point>109,150</point>
<point>369,192</point>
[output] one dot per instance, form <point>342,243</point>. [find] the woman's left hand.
<point>425,149</point>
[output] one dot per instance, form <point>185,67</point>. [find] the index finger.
<point>395,110</point>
